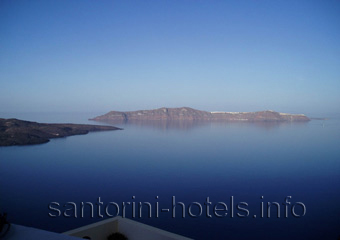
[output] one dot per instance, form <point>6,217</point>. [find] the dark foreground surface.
<point>19,132</point>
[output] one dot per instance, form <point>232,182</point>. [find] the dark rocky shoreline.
<point>18,132</point>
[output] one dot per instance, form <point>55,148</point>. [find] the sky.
<point>85,56</point>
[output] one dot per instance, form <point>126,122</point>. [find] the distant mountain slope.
<point>19,132</point>
<point>186,113</point>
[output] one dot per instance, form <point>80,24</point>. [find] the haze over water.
<point>188,161</point>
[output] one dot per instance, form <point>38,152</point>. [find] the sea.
<point>202,180</point>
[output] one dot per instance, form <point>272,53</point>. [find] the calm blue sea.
<point>152,162</point>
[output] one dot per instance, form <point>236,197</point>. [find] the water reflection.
<point>190,160</point>
<point>191,124</point>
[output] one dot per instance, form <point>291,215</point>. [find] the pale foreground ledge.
<point>97,231</point>
<point>131,229</point>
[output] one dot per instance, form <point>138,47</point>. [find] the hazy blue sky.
<point>211,55</point>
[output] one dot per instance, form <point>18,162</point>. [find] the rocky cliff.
<point>186,113</point>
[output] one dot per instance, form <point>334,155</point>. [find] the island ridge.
<point>186,113</point>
